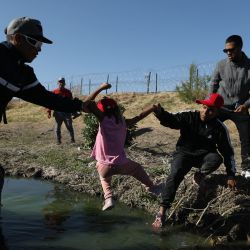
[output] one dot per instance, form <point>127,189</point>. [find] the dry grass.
<point>20,111</point>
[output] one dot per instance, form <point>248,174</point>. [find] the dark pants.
<point>181,165</point>
<point>242,123</point>
<point>65,118</point>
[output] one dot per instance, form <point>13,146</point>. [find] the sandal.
<point>160,220</point>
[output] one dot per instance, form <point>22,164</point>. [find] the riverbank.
<point>28,149</point>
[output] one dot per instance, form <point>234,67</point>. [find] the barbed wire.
<point>154,80</point>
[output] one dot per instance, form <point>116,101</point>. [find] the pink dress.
<point>110,155</point>
<point>110,140</point>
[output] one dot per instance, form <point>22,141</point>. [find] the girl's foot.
<point>108,204</point>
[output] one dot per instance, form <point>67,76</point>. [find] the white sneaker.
<point>247,174</point>
<point>108,204</point>
<point>243,173</point>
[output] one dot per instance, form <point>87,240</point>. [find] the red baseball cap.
<point>106,103</point>
<point>213,100</point>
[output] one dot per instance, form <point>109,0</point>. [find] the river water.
<point>44,215</point>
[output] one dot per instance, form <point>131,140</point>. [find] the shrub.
<point>90,130</point>
<point>195,88</point>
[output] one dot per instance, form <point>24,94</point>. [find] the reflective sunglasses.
<point>33,42</point>
<point>229,50</point>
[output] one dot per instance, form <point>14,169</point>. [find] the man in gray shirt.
<point>231,79</point>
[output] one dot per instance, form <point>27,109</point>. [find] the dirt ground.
<point>28,149</point>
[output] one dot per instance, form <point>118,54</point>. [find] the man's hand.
<point>231,183</point>
<point>105,85</point>
<point>157,109</point>
<point>241,109</point>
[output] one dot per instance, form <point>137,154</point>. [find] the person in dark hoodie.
<point>231,79</point>
<point>204,143</point>
<point>24,40</point>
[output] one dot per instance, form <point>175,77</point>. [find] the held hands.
<point>157,109</point>
<point>105,85</point>
<point>141,116</point>
<point>147,111</point>
<point>231,183</point>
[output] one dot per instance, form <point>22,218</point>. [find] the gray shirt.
<point>232,81</point>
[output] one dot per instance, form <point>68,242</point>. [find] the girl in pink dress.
<point>108,150</point>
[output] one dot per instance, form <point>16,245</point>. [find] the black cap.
<point>27,26</point>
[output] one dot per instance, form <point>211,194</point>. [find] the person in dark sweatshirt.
<point>204,143</point>
<point>24,40</point>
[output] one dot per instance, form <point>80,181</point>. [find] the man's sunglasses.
<point>229,50</point>
<point>33,42</point>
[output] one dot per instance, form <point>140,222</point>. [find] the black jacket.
<point>18,79</point>
<point>198,137</point>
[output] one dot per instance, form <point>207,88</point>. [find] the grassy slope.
<point>28,149</point>
<point>32,125</point>
<point>27,145</point>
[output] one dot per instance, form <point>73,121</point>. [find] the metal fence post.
<point>156,82</point>
<point>81,86</point>
<point>89,85</point>
<point>107,82</point>
<point>116,84</point>
<point>148,81</point>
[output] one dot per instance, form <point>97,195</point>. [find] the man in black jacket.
<point>17,79</point>
<point>204,143</point>
<point>24,39</point>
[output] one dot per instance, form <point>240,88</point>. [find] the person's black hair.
<point>236,39</point>
<point>116,112</point>
<point>112,111</point>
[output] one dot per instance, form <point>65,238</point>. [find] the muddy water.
<point>43,215</point>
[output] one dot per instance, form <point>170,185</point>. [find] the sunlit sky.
<point>96,36</point>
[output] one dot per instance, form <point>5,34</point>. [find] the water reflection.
<point>58,211</point>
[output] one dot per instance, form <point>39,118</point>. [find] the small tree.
<point>91,129</point>
<point>195,88</point>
